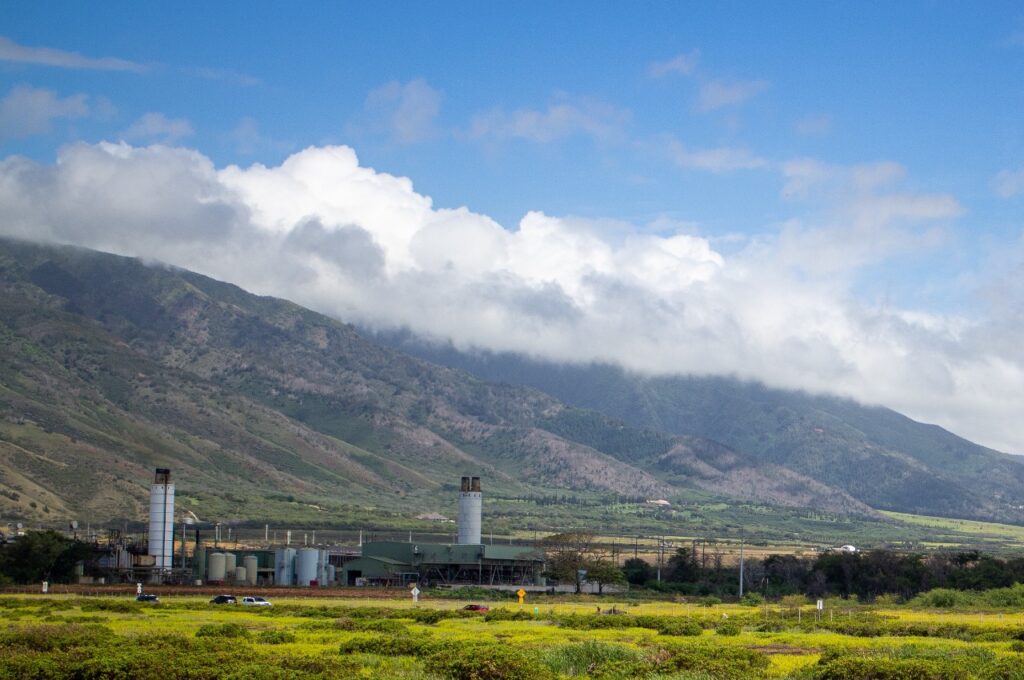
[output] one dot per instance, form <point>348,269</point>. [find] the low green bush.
<point>680,626</point>
<point>597,660</point>
<point>486,662</point>
<point>45,638</point>
<point>390,626</point>
<point>727,628</point>
<point>431,616</point>
<point>718,661</point>
<point>1005,668</point>
<point>881,668</point>
<point>504,614</point>
<point>223,630</point>
<point>943,598</point>
<point>275,637</point>
<point>110,605</point>
<point>596,621</point>
<point>388,645</point>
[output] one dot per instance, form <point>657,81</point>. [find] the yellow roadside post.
<point>522,594</point>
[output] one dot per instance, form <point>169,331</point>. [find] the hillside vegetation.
<point>874,454</point>
<point>113,367</point>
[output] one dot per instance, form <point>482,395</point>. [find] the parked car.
<point>147,597</point>
<point>477,608</point>
<point>255,601</point>
<point>224,599</point>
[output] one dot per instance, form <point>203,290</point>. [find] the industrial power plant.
<point>171,553</point>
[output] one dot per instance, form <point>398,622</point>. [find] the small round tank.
<point>215,567</point>
<point>240,574</point>
<point>251,564</point>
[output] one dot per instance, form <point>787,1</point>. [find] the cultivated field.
<point>69,636</point>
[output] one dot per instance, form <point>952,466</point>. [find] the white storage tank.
<point>284,567</point>
<point>230,562</point>
<point>215,568</point>
<point>307,566</point>
<point>240,574</point>
<point>251,565</point>
<point>332,574</point>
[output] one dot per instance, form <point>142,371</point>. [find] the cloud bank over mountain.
<point>363,245</point>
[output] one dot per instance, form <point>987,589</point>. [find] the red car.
<point>477,608</point>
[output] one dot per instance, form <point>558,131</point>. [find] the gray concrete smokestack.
<point>161,523</point>
<point>470,511</point>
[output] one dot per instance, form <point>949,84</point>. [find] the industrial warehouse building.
<point>384,563</point>
<point>393,563</point>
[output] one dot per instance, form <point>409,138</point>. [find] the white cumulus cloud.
<point>363,245</point>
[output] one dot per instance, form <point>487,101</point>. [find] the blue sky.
<point>870,152</point>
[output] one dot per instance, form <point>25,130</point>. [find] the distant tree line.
<point>865,575</point>
<point>41,556</point>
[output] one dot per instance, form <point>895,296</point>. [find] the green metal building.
<point>395,563</point>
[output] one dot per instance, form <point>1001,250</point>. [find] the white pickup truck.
<point>255,601</point>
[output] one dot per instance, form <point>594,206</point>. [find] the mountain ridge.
<point>117,366</point>
<point>873,453</point>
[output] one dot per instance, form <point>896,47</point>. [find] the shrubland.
<point>186,637</point>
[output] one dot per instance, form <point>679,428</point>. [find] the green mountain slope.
<point>874,454</point>
<point>112,367</point>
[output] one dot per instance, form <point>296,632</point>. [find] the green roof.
<point>447,553</point>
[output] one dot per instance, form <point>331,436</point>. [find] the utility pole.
<point>741,566</point>
<point>661,555</point>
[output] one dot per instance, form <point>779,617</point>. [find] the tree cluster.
<point>865,575</point>
<point>576,557</point>
<point>41,556</point>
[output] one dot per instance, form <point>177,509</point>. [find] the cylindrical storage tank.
<point>306,566</point>
<point>240,574</point>
<point>284,567</point>
<point>161,521</point>
<point>230,562</point>
<point>332,574</point>
<point>470,506</point>
<point>251,564</point>
<point>215,568</point>
<point>199,564</point>
<point>321,572</point>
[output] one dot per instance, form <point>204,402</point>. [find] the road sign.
<point>521,593</point>
<point>138,589</point>
<point>821,605</point>
<point>415,594</point>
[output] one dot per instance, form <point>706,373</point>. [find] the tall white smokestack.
<point>470,507</point>
<point>161,522</point>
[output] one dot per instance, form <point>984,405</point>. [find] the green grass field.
<point>186,637</point>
